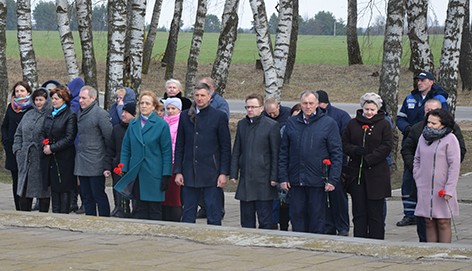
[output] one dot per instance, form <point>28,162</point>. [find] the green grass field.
<point>310,49</point>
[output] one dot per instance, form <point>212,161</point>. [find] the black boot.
<point>65,202</point>
<point>73,200</point>
<point>56,202</point>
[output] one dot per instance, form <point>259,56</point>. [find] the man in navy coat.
<point>202,156</point>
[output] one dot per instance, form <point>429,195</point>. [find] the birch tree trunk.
<point>282,42</point>
<point>353,48</point>
<point>421,55</point>
<point>138,12</point>
<point>261,27</point>
<point>84,20</point>
<point>465,62</point>
<point>67,40</point>
<point>117,26</point>
<point>171,48</point>
<point>450,53</point>
<point>4,91</point>
<point>151,37</point>
<point>292,50</point>
<point>25,43</point>
<point>192,62</point>
<point>226,43</point>
<point>390,73</point>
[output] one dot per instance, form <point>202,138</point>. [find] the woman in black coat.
<point>367,140</point>
<point>20,103</point>
<point>59,132</point>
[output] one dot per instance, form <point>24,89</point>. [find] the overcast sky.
<point>308,9</point>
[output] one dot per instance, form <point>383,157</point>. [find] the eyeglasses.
<point>252,106</point>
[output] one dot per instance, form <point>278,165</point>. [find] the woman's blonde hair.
<point>155,101</point>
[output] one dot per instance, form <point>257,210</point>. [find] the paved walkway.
<point>36,241</point>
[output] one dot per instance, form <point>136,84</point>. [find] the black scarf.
<point>431,134</point>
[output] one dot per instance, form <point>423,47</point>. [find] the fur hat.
<point>371,97</point>
<point>173,101</point>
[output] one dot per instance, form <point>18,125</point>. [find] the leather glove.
<point>165,183</point>
<point>360,151</point>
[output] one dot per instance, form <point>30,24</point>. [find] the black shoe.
<point>201,213</point>
<point>81,210</point>
<point>406,221</point>
<point>343,233</point>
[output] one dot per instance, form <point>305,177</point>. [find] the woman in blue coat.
<point>147,157</point>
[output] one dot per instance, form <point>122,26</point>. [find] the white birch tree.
<point>261,27</point>
<point>117,25</point>
<point>392,54</point>
<point>421,55</point>
<point>197,37</point>
<point>138,12</point>
<point>282,42</point>
<point>67,40</point>
<point>226,43</point>
<point>84,20</point>
<point>25,43</point>
<point>151,36</point>
<point>4,91</point>
<point>450,53</point>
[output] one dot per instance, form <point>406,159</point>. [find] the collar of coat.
<point>313,118</point>
<point>138,131</point>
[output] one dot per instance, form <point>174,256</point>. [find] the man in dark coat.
<point>275,111</point>
<point>202,156</point>
<point>122,205</point>
<point>408,154</point>
<point>93,158</point>
<point>337,219</point>
<point>308,139</point>
<point>412,112</point>
<point>254,160</point>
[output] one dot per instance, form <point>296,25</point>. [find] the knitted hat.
<point>130,108</point>
<point>173,101</point>
<point>322,96</point>
<point>371,97</point>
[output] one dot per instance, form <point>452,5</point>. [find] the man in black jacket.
<point>408,154</point>
<point>122,205</point>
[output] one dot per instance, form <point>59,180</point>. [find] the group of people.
<point>169,156</point>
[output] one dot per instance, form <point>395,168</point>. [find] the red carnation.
<point>121,165</point>
<point>365,127</point>
<point>441,193</point>
<point>327,162</point>
<point>46,141</point>
<point>117,171</point>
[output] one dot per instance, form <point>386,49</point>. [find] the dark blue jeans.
<point>409,203</point>
<point>212,199</point>
<point>337,215</point>
<point>249,209</point>
<point>92,192</point>
<point>307,209</point>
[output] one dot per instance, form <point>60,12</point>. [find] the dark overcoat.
<point>9,125</point>
<point>255,158</point>
<point>203,147</point>
<point>58,167</point>
<point>378,144</point>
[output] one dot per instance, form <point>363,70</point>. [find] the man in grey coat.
<point>254,159</point>
<point>93,159</point>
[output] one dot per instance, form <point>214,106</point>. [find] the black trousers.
<point>145,209</point>
<point>61,202</point>
<point>16,198</point>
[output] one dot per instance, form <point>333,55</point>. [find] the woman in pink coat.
<point>436,167</point>
<point>172,207</point>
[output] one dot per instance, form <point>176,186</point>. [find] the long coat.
<point>203,147</point>
<point>437,167</point>
<point>28,150</point>
<point>378,144</point>
<point>94,144</point>
<point>58,168</point>
<point>255,158</point>
<point>146,153</point>
<point>9,125</point>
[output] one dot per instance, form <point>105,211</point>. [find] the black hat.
<point>130,108</point>
<point>322,96</point>
<point>425,75</point>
